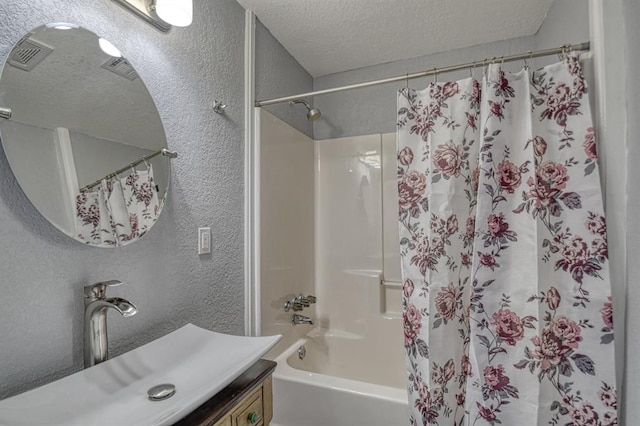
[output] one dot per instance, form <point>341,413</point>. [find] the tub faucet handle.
<point>293,304</point>
<point>306,300</point>
<point>303,301</point>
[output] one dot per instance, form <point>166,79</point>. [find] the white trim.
<point>257,259</point>
<point>251,181</point>
<point>610,116</point>
<point>70,186</point>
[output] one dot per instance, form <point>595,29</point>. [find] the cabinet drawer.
<point>251,414</point>
<point>226,421</point>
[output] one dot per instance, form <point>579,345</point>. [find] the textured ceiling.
<point>70,89</point>
<point>328,36</point>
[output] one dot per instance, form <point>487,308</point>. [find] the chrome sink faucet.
<point>96,344</point>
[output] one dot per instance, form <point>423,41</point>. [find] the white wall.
<point>45,182</point>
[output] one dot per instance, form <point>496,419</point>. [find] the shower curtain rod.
<point>435,71</point>
<point>163,151</point>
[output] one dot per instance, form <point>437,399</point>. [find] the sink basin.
<point>198,362</point>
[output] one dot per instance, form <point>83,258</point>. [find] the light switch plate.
<point>204,240</point>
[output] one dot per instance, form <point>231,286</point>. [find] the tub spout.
<point>96,343</point>
<point>301,319</point>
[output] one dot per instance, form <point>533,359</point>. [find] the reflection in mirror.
<point>79,113</point>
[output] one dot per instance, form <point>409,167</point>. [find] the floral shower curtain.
<point>507,307</point>
<point>119,210</point>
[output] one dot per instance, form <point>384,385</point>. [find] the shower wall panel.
<point>286,225</point>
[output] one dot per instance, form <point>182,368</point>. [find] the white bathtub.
<point>344,380</point>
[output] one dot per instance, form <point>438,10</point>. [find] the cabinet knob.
<point>253,418</point>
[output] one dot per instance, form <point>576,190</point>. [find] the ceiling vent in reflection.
<point>122,67</point>
<point>28,53</point>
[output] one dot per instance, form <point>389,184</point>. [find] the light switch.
<point>204,240</point>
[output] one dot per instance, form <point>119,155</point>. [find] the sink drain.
<point>302,352</point>
<point>161,392</point>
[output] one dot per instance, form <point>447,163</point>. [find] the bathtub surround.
<point>287,226</point>
<point>43,271</point>
<point>322,234</point>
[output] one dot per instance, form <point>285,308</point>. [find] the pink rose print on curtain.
<point>448,159</point>
<point>504,252</point>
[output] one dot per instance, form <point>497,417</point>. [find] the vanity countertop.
<point>224,401</point>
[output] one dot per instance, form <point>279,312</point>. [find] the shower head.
<point>312,113</point>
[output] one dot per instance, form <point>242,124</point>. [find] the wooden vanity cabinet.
<point>247,401</point>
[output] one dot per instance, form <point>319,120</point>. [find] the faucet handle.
<point>293,304</point>
<point>99,290</point>
<point>306,300</point>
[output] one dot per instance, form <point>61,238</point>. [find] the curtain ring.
<point>435,75</point>
<point>472,69</point>
<point>145,161</point>
<point>526,64</point>
<point>133,169</point>
<point>484,67</point>
<point>407,83</point>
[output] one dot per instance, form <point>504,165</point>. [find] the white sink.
<point>200,363</point>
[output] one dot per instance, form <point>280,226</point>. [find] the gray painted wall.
<point>279,74</point>
<point>567,21</point>
<point>630,408</point>
<point>372,110</point>
<point>43,271</point>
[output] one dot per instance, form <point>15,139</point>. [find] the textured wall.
<point>371,110</point>
<point>630,407</point>
<point>43,271</point>
<point>567,21</point>
<point>279,74</point>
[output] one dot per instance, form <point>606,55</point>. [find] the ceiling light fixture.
<point>62,26</point>
<point>178,13</point>
<point>108,48</point>
<point>162,14</point>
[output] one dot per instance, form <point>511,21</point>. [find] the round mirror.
<point>83,136</point>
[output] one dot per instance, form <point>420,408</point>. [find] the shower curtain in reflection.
<point>118,211</point>
<point>507,307</point>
